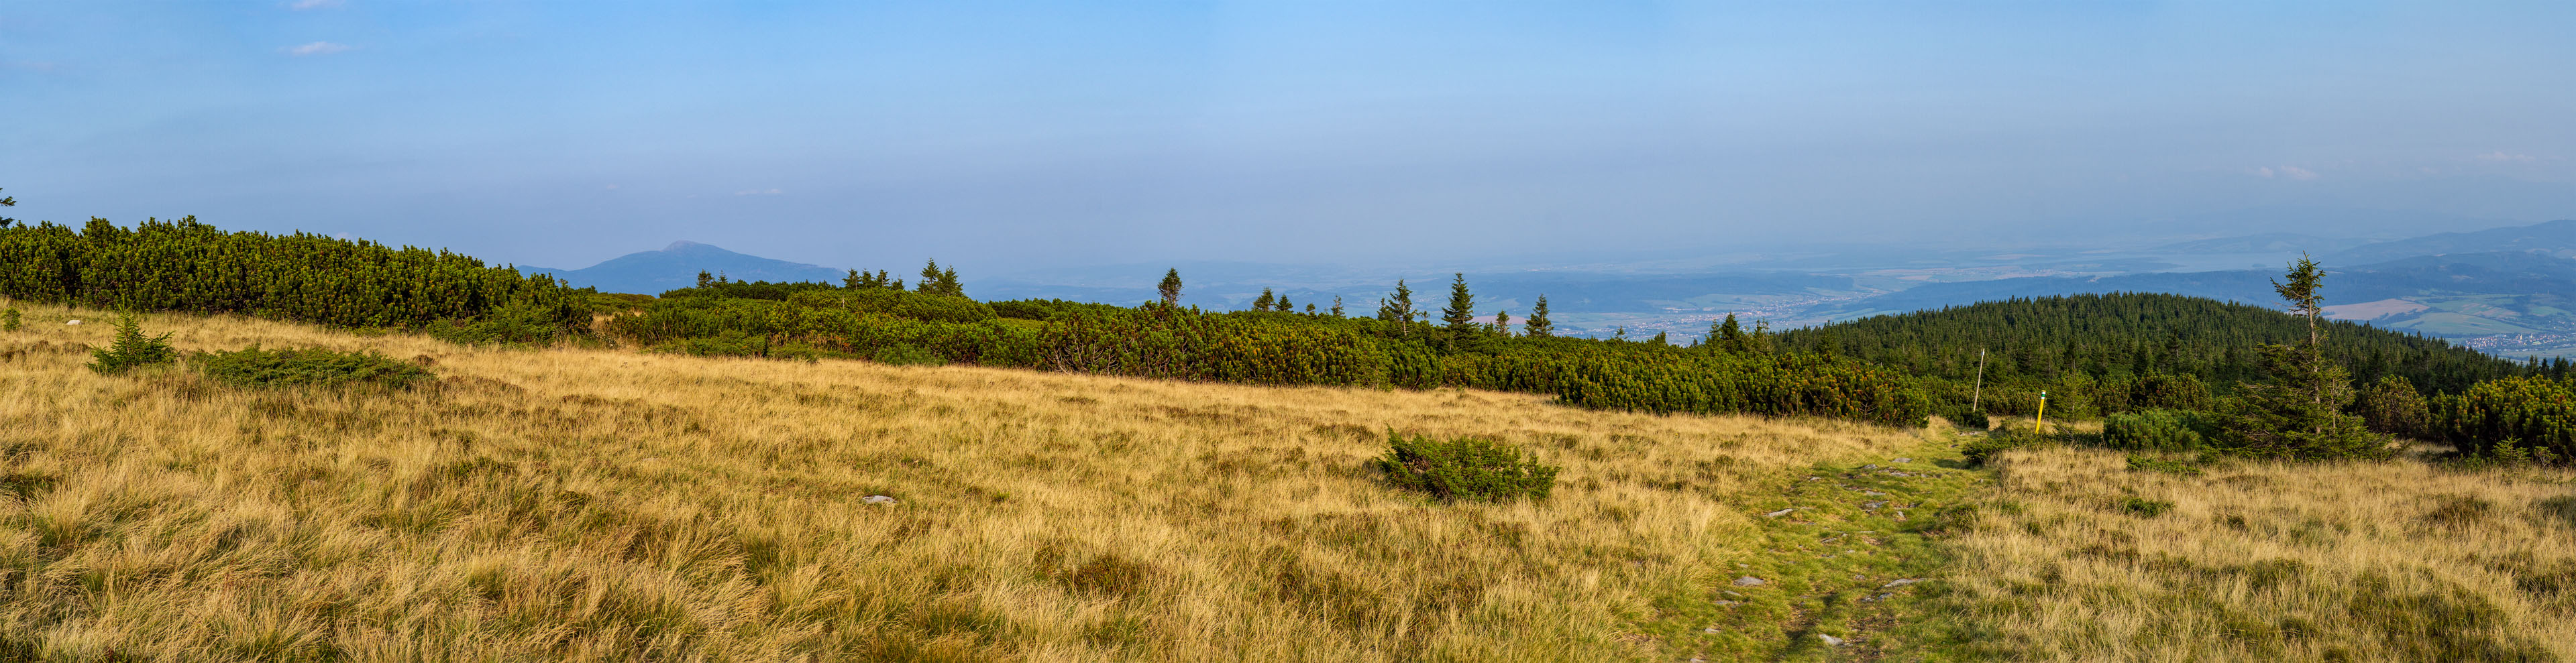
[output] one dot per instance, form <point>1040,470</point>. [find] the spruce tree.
<point>1310,308</point>
<point>1398,307</point>
<point>1337,306</point>
<point>1171,288</point>
<point>1460,314</point>
<point>929,281</point>
<point>854,280</point>
<point>8,202</point>
<point>2302,415</point>
<point>1283,305</point>
<point>705,279</point>
<point>1503,322</point>
<point>1538,325</point>
<point>948,284</point>
<point>1262,303</point>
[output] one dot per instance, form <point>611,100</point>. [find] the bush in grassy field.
<point>1980,450</point>
<point>906,355</point>
<point>1465,469</point>
<point>9,319</point>
<point>255,367</point>
<point>2537,412</point>
<point>1971,420</point>
<point>2155,430</point>
<point>2393,406</point>
<point>517,324</point>
<point>132,349</point>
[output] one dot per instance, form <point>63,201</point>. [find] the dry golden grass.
<point>598,505</point>
<point>2268,562</point>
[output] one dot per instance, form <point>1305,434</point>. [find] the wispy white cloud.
<point>317,48</point>
<point>301,5</point>
<point>2292,172</point>
<point>2500,156</point>
<point>759,192</point>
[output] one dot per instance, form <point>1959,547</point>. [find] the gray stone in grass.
<point>1830,641</point>
<point>74,322</point>
<point>1902,583</point>
<point>1727,603</point>
<point>877,499</point>
<point>1873,506</point>
<point>1779,513</point>
<point>1873,493</point>
<point>1749,581</point>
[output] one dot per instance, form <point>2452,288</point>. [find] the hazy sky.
<point>1000,136</point>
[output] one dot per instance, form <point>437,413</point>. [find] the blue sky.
<point>997,136</point>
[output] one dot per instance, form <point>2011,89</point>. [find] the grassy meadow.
<point>2080,557</point>
<point>596,504</point>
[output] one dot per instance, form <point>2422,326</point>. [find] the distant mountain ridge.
<point>677,266</point>
<point>2557,238</point>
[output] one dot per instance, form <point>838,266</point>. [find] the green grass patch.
<point>1854,559</point>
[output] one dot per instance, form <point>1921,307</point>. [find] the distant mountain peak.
<point>677,266</point>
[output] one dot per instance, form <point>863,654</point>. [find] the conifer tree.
<point>1460,314</point>
<point>1171,288</point>
<point>1397,307</point>
<point>2302,415</point>
<point>1310,308</point>
<point>1538,325</point>
<point>11,201</point>
<point>1283,305</point>
<point>948,284</point>
<point>854,280</point>
<point>1337,306</point>
<point>705,279</point>
<point>1503,322</point>
<point>929,281</point>
<point>1262,303</point>
<point>721,279</point>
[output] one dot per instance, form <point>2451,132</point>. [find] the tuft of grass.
<point>2143,507</point>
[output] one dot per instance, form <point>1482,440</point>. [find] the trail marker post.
<point>2040,425</point>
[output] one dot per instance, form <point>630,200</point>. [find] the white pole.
<point>1975,397</point>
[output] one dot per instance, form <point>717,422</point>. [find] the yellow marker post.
<point>2041,424</point>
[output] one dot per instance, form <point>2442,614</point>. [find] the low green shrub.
<point>1971,419</point>
<point>1465,469</point>
<point>317,367</point>
<point>2155,430</point>
<point>9,319</point>
<point>906,355</point>
<point>2139,463</point>
<point>132,349</point>
<point>517,324</point>
<point>2526,413</point>
<point>2143,507</point>
<point>1983,448</point>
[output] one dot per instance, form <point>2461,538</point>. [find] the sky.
<point>1005,136</point>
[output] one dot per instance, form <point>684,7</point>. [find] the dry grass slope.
<point>2083,559</point>
<point>596,505</point>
